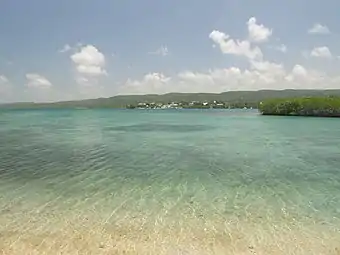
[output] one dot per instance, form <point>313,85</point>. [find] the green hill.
<point>250,98</point>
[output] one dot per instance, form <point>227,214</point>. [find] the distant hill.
<point>251,98</point>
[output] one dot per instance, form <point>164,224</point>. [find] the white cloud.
<point>282,48</point>
<point>311,78</point>
<point>319,29</point>
<point>89,64</point>
<point>89,61</point>
<point>260,75</point>
<point>65,48</point>
<point>258,32</point>
<point>35,80</point>
<point>299,70</point>
<point>90,70</point>
<point>239,48</point>
<point>321,52</point>
<point>268,71</point>
<point>162,51</point>
<point>150,83</point>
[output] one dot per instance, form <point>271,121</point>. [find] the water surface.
<point>168,182</point>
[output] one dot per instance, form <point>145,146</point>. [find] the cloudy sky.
<point>61,50</point>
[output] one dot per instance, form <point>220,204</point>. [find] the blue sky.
<point>136,47</point>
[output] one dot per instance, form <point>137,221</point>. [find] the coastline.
<point>301,115</point>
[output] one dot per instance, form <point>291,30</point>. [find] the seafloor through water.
<point>168,182</point>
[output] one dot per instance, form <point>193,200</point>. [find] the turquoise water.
<point>168,181</point>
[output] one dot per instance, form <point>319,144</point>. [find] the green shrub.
<point>307,106</point>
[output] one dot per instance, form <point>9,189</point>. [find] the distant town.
<point>193,105</point>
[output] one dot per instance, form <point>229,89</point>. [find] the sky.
<point>70,50</point>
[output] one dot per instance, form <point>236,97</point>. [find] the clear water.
<point>168,182</point>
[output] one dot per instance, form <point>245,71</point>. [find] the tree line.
<point>307,106</point>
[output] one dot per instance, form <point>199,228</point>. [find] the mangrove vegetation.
<point>306,106</point>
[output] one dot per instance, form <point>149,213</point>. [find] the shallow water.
<point>168,182</point>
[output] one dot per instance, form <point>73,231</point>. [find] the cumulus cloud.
<point>268,72</point>
<point>161,51</point>
<point>321,52</point>
<point>258,32</point>
<point>239,48</point>
<point>260,75</point>
<point>89,61</point>
<point>311,78</point>
<point>299,71</point>
<point>319,29</point>
<point>89,64</point>
<point>150,83</point>
<point>35,80</point>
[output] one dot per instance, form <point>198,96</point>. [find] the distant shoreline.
<point>232,99</point>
